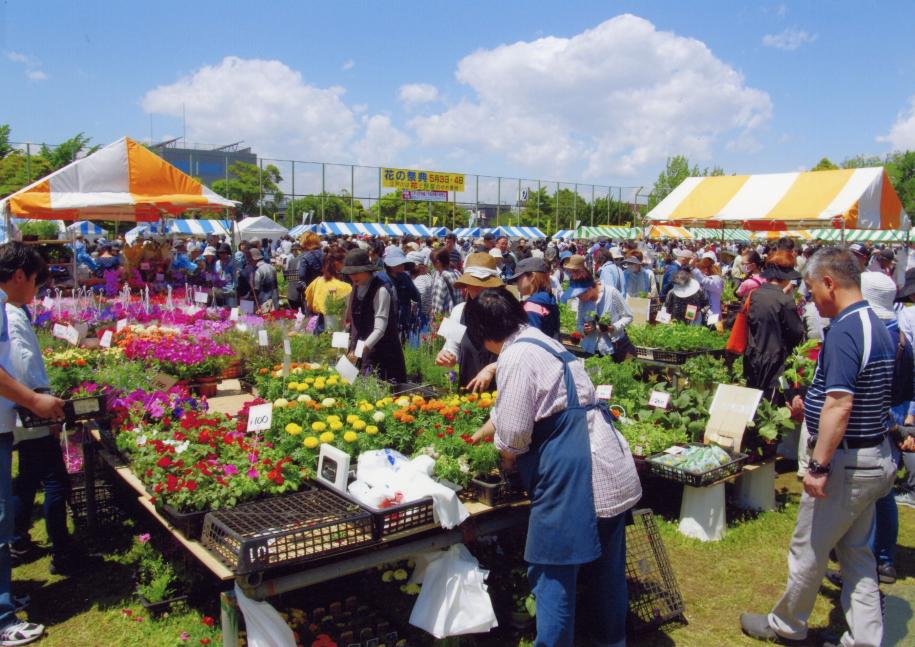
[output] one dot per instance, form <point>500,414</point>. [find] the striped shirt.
<point>531,388</point>
<point>858,356</point>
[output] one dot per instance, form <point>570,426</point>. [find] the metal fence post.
<point>28,163</point>
<point>379,194</point>
<point>292,202</point>
<point>323,191</point>
<point>260,181</point>
<point>478,198</point>
<point>538,204</point>
<point>592,205</point>
<point>499,201</point>
<point>352,191</point>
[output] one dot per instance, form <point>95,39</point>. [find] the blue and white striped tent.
<point>300,230</point>
<point>146,229</point>
<point>565,234</point>
<point>201,228</point>
<point>373,229</point>
<point>86,228</point>
<point>440,231</point>
<point>404,229</point>
<point>519,232</point>
<point>467,232</point>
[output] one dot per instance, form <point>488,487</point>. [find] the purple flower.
<point>184,637</point>
<point>252,458</point>
<point>229,470</point>
<point>252,473</point>
<point>145,537</point>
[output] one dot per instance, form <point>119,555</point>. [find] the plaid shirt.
<point>531,388</point>
<point>443,289</point>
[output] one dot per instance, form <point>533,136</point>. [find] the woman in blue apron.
<point>575,466</point>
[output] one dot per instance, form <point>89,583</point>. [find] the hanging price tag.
<point>675,450</point>
<point>233,314</point>
<point>201,297</point>
<point>260,417</point>
<point>246,306</point>
<point>603,391</point>
<point>105,341</point>
<point>120,325</point>
<point>659,399</point>
<point>262,338</point>
<point>163,382</point>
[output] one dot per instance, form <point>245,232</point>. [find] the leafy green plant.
<point>704,372</point>
<point>155,576</point>
<point>729,294</point>
<point>568,318</point>
<point>799,367</point>
<point>334,306</point>
<point>676,337</point>
<point>650,436</point>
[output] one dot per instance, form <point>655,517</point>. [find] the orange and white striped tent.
<point>122,181</point>
<point>656,232</point>
<point>864,198</point>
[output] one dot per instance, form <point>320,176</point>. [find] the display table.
<point>702,512</point>
<point>755,489</point>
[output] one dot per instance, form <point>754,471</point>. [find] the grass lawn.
<point>745,571</point>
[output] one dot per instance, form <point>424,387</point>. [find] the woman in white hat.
<point>686,300</point>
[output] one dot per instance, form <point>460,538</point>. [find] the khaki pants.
<point>843,520</point>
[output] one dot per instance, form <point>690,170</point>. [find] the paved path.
<point>229,398</point>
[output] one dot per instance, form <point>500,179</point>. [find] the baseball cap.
<point>489,236</point>
<point>532,264</point>
<point>886,255</point>
<point>857,248</point>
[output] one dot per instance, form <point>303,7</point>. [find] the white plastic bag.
<point>454,599</point>
<point>264,625</point>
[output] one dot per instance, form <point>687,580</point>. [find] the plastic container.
<point>697,480</point>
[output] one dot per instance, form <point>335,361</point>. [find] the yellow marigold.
<point>293,428</point>
<point>380,403</point>
<point>371,430</point>
<point>293,385</point>
<point>327,437</point>
<point>358,425</point>
<point>310,442</point>
<point>350,436</point>
<point>400,575</point>
<point>318,426</point>
<point>336,426</point>
<point>351,418</point>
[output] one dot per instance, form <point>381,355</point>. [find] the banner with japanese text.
<point>414,180</point>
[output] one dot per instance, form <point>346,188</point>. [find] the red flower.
<point>171,483</point>
<point>190,484</point>
<point>127,612</point>
<point>164,462</point>
<point>204,641</point>
<point>209,621</point>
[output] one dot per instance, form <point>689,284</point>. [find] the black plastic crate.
<point>673,357</point>
<point>286,530</point>
<point>493,494</point>
<point>75,410</point>
<point>107,511</point>
<point>412,388</point>
<point>189,523</point>
<point>654,597</point>
<point>697,480</point>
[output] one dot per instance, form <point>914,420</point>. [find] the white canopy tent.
<point>258,227</point>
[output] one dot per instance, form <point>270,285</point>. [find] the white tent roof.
<point>259,227</point>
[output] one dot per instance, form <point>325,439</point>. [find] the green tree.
<point>825,164</point>
<point>900,168</point>
<point>5,147</point>
<point>327,207</point>
<point>67,151</point>
<point>570,207</point>
<point>675,171</point>
<point>862,161</point>
<point>252,188</point>
<point>539,209</point>
<point>393,208</point>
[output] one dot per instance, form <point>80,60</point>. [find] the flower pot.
<point>331,323</point>
<point>156,609</point>
<point>493,489</point>
<point>189,523</point>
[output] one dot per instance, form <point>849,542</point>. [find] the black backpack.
<point>902,372</point>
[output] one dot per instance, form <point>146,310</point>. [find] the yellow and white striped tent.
<point>122,181</point>
<point>656,232</point>
<point>862,198</point>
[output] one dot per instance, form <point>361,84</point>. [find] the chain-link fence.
<point>295,192</point>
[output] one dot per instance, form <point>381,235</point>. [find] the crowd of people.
<point>547,422</point>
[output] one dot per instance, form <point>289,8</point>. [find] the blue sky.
<point>589,91</point>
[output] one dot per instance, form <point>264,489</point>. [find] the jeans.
<point>886,517</point>
<point>554,589</point>
<point>843,520</point>
<point>41,463</point>
<point>7,615</point>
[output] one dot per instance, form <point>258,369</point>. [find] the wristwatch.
<point>815,468</point>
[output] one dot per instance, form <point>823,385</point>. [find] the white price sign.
<point>233,314</point>
<point>659,399</point>
<point>340,340</point>
<point>59,331</point>
<point>201,297</point>
<point>360,348</point>
<point>262,338</point>
<point>604,391</point>
<point>663,317</point>
<point>48,303</point>
<point>72,335</point>
<point>105,341</point>
<point>260,417</point>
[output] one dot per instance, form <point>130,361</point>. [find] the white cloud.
<point>380,142</point>
<point>32,65</point>
<point>608,101</point>
<point>788,39</point>
<point>265,103</point>
<point>348,65</point>
<point>902,132</point>
<point>414,94</point>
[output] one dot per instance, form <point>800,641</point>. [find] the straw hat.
<point>480,270</point>
<point>575,262</point>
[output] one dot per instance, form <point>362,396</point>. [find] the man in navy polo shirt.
<point>851,465</point>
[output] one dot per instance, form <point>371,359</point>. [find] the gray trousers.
<point>843,520</point>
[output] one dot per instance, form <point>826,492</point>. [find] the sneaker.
<point>20,633</point>
<point>906,499</point>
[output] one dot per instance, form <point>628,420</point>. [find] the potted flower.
<point>334,308</point>
<point>156,580</point>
